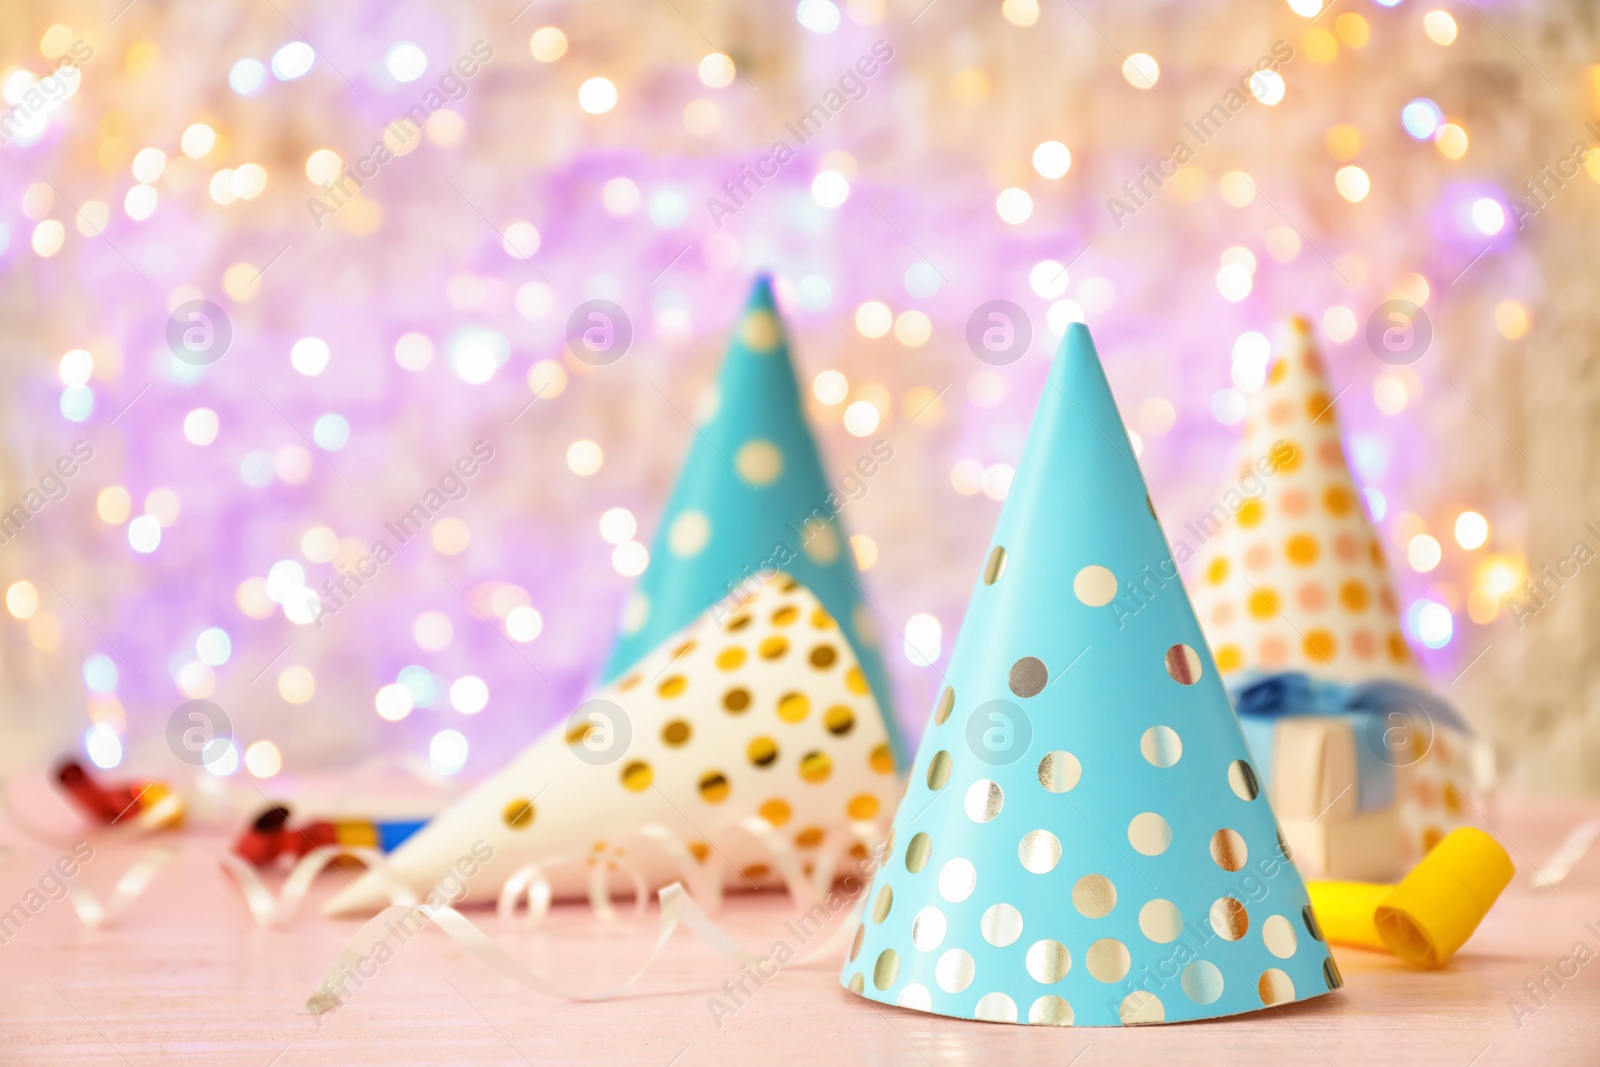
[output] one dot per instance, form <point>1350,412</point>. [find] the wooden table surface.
<point>185,976</point>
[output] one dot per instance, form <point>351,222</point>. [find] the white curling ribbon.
<point>276,910</point>
<point>674,902</point>
<point>1568,855</point>
<point>133,882</point>
<point>676,907</point>
<point>531,882</point>
<point>600,889</point>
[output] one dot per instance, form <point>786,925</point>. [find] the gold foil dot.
<point>673,686</point>
<point>821,619</point>
<point>1183,663</point>
<point>887,969</point>
<point>1228,849</point>
<point>822,657</point>
<point>675,732</point>
<point>882,758</point>
<point>1242,779</point>
<point>1161,746</point>
<point>1028,676</point>
<point>885,901</point>
<point>1277,933</point>
<point>683,650</point>
<point>1001,925</point>
<point>714,787</point>
<point>1107,960</point>
<point>957,879</point>
<point>776,811</point>
<point>855,945</point>
<point>1059,771</point>
<point>1149,834</point>
<point>794,707</point>
<point>785,615</point>
<point>629,682</point>
<point>763,751</point>
<point>810,837</point>
<point>928,929</point>
<point>995,1008</point>
<point>939,770</point>
<point>916,997</point>
<point>1275,987</point>
<point>816,766</point>
<point>862,806</point>
<point>857,984</point>
<point>637,776</point>
<point>1039,851</point>
<point>1331,975</point>
<point>773,647</point>
<point>1229,919</point>
<point>755,872</point>
<point>1202,982</point>
<point>1309,917</point>
<point>699,850</point>
<point>1094,896</point>
<point>918,852</point>
<point>855,681</point>
<point>730,658</point>
<point>1048,961</point>
<point>1095,586</point>
<point>1050,1010</point>
<point>736,700</point>
<point>576,735</point>
<point>737,623</point>
<point>984,800</point>
<point>1141,1008</point>
<point>518,814</point>
<point>839,720</point>
<point>947,701</point>
<point>1160,921</point>
<point>954,971</point>
<point>996,566</point>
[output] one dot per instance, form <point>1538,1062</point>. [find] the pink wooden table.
<point>186,977</point>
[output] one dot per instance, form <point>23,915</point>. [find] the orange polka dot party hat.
<point>1366,766</point>
<point>746,751</point>
<point>1083,840</point>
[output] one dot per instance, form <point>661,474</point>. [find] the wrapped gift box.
<point>1365,779</point>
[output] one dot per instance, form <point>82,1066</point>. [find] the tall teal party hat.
<point>751,500</point>
<point>1084,839</point>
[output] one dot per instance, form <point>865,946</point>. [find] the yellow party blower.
<point>1433,910</point>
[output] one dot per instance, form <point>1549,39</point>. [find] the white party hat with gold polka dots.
<point>752,499</point>
<point>1290,574</point>
<point>746,747</point>
<point>1083,840</point>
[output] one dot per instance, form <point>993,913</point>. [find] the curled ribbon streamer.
<point>600,890</point>
<point>529,879</point>
<point>676,906</point>
<point>128,888</point>
<point>270,910</point>
<point>1568,855</point>
<point>675,903</point>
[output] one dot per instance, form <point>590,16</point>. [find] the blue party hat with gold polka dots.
<point>1083,840</point>
<point>752,499</point>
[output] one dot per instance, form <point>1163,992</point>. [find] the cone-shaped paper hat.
<point>752,498</point>
<point>758,708</point>
<point>1294,579</point>
<point>1083,839</point>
